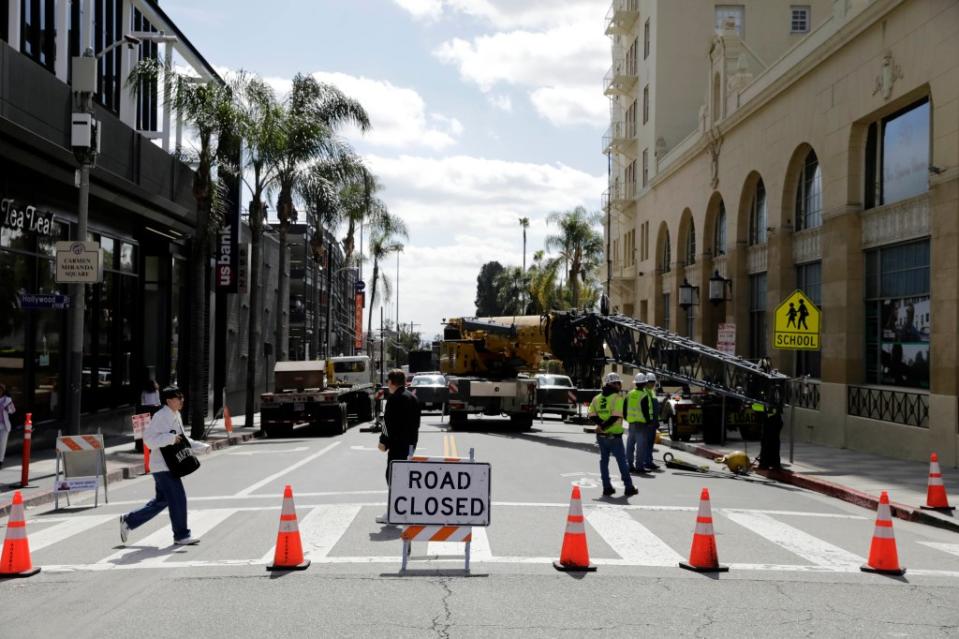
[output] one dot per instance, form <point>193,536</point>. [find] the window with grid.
<point>799,19</point>
<point>809,194</point>
<point>757,316</point>
<point>734,14</point>
<point>809,281</point>
<point>666,311</point>
<point>667,257</point>
<point>719,236</point>
<point>645,104</point>
<point>757,216</point>
<point>646,40</point>
<point>898,315</point>
<point>645,167</point>
<point>691,243</point>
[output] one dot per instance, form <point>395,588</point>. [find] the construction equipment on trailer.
<point>318,393</point>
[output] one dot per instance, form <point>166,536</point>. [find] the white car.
<point>555,394</point>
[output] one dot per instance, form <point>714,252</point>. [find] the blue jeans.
<point>613,445</point>
<point>634,445</point>
<point>647,441</point>
<point>169,494</point>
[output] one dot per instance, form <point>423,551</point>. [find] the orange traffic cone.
<point>936,494</point>
<point>883,557</point>
<point>227,419</point>
<point>702,554</point>
<point>15,561</point>
<point>289,548</point>
<point>146,459</point>
<point>574,556</point>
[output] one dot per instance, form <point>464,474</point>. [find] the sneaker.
<point>124,529</point>
<point>383,519</point>
<point>652,467</point>
<point>186,541</point>
<point>631,491</point>
<point>609,491</point>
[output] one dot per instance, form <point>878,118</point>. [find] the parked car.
<point>555,394</point>
<point>430,390</point>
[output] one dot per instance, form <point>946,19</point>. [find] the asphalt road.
<point>794,555</point>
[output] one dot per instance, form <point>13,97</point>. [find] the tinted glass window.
<point>905,154</point>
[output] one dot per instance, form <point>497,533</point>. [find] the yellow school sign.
<point>797,324</point>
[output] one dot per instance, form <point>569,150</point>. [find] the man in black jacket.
<point>401,427</point>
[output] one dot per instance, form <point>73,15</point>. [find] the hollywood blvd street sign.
<point>44,301</point>
<point>79,263</point>
<point>797,324</point>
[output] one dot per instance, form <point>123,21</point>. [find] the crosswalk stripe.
<point>158,546</point>
<point>59,532</point>
<point>291,467</point>
<point>630,539</point>
<point>813,549</point>
<point>320,529</point>
<point>952,549</point>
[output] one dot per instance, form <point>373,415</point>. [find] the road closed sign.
<point>797,324</point>
<point>439,493</point>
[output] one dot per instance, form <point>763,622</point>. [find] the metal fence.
<point>898,407</point>
<point>804,393</point>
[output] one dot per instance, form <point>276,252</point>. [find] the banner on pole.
<point>360,302</point>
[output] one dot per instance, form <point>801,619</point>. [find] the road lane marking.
<point>59,532</point>
<point>288,469</point>
<point>631,540</point>
<point>298,449</point>
<point>158,546</point>
<point>818,551</point>
<point>952,549</point>
<point>321,529</point>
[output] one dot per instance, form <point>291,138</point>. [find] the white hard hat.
<point>640,378</point>
<point>650,378</point>
<point>612,378</point>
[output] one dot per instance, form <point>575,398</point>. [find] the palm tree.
<point>546,294</point>
<point>310,116</point>
<point>360,205</point>
<point>210,108</point>
<point>384,240</point>
<point>578,243</point>
<point>512,286</point>
<point>524,223</point>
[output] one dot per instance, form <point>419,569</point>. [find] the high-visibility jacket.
<point>653,405</point>
<point>634,409</point>
<point>606,406</point>
<point>761,408</point>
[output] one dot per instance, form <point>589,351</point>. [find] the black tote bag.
<point>180,458</point>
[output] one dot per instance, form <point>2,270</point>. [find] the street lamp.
<point>720,288</point>
<point>688,295</point>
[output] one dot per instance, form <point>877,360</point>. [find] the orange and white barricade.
<point>81,465</point>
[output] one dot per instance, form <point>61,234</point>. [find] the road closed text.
<point>447,493</point>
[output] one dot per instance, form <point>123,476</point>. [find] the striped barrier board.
<point>81,465</point>
<point>77,443</point>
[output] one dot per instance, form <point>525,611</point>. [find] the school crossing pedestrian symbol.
<point>797,324</point>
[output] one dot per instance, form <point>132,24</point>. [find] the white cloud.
<point>398,114</point>
<point>565,106</point>
<point>501,102</point>
<point>510,14</point>
<point>422,9</point>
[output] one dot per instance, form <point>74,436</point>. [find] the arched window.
<point>667,255</point>
<point>691,243</point>
<point>757,216</point>
<point>719,233</point>
<point>809,194</point>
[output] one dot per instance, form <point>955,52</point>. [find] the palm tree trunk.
<point>369,326</point>
<point>253,332</point>
<point>197,393</point>
<point>283,303</point>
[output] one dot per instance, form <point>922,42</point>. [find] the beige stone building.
<point>776,145</point>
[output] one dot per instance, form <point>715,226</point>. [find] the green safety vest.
<point>634,408</point>
<point>608,406</point>
<point>652,402</point>
<point>761,408</point>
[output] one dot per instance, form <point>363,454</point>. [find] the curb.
<point>830,489</point>
<point>128,471</point>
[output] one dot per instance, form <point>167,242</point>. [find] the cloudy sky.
<point>483,111</point>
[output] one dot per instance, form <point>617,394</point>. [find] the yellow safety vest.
<point>652,403</point>
<point>634,408</point>
<point>606,406</point>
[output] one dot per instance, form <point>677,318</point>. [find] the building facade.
<point>824,158</point>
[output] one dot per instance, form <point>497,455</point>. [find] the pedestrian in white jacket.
<point>165,429</point>
<point>6,409</point>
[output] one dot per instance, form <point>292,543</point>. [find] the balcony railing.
<point>621,78</point>
<point>803,393</point>
<point>889,405</point>
<point>621,17</point>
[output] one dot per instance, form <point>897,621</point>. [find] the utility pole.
<point>382,347</point>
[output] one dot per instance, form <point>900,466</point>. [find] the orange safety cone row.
<point>936,493</point>
<point>289,547</point>
<point>15,560</point>
<point>574,556</point>
<point>883,557</point>
<point>702,554</point>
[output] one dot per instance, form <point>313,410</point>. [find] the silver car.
<point>430,390</point>
<point>555,394</point>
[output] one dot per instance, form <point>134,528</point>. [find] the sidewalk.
<point>845,474</point>
<point>122,463</point>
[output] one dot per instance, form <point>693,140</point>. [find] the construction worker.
<point>606,411</point>
<point>650,427</point>
<point>637,423</point>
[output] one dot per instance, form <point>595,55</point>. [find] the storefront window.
<point>809,281</point>
<point>898,315</point>
<point>15,278</point>
<point>48,327</point>
<point>176,300</point>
